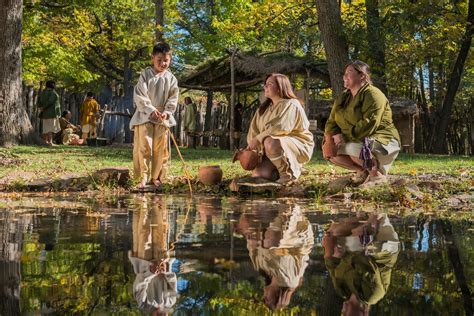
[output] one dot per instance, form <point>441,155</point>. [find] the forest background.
<point>418,50</point>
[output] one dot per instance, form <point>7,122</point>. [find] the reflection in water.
<point>227,256</point>
<point>279,250</point>
<point>155,285</point>
<point>360,254</point>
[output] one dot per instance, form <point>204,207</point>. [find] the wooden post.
<point>232,97</point>
<point>208,118</point>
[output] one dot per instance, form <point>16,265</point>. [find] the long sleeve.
<point>172,102</point>
<point>140,96</point>
<point>372,112</point>
<point>331,126</point>
<point>253,129</point>
<point>282,124</point>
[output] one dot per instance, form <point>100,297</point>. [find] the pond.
<point>142,254</point>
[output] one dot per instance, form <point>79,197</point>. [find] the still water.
<point>143,254</point>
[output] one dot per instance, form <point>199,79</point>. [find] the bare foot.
<point>156,182</point>
<point>141,185</point>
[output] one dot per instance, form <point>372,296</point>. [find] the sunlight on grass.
<point>45,161</point>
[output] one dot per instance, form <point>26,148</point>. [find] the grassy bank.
<point>50,162</point>
<point>427,179</point>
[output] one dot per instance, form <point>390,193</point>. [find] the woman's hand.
<point>338,139</point>
<point>253,145</point>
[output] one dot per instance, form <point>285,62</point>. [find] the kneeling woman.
<point>360,134</point>
<point>279,131</point>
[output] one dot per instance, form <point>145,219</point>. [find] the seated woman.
<point>359,134</point>
<point>279,131</point>
<point>66,135</point>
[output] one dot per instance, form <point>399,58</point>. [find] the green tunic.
<point>368,277</point>
<point>48,101</point>
<point>368,114</point>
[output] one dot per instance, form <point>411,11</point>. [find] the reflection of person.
<point>89,114</point>
<point>155,285</point>
<point>156,99</point>
<point>360,258</point>
<point>360,126</point>
<point>190,113</point>
<point>281,254</point>
<point>280,131</point>
<point>67,135</point>
<point>50,110</point>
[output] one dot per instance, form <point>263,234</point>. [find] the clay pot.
<point>249,159</point>
<point>210,175</point>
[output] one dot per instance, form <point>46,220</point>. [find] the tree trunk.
<point>159,18</point>
<point>439,144</point>
<point>471,125</point>
<point>376,44</point>
<point>431,81</point>
<point>15,125</point>
<point>334,40</point>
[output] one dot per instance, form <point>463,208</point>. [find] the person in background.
<point>190,113</point>
<point>68,134</point>
<point>360,134</point>
<point>279,131</point>
<point>49,112</point>
<point>89,114</point>
<point>237,124</point>
<point>156,98</point>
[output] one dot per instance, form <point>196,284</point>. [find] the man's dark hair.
<point>50,84</point>
<point>65,112</point>
<point>162,48</point>
<point>90,94</point>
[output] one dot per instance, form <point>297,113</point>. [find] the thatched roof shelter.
<point>250,70</point>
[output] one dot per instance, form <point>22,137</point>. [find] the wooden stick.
<point>185,167</point>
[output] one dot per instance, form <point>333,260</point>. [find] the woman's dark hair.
<point>50,84</point>
<point>161,48</point>
<point>90,94</point>
<point>65,112</point>
<point>284,90</point>
<point>361,68</point>
<point>188,100</point>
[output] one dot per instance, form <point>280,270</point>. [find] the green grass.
<point>50,162</point>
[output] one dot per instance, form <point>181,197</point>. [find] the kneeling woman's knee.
<point>272,146</point>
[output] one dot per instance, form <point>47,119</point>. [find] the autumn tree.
<point>335,45</point>
<point>15,126</point>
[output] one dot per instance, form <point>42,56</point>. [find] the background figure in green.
<point>190,113</point>
<point>360,256</point>
<point>49,112</point>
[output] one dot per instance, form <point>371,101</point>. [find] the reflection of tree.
<point>11,235</point>
<point>423,283</point>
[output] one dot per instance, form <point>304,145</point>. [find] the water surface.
<point>225,256</point>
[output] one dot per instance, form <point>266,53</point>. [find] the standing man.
<point>49,112</point>
<point>190,122</point>
<point>89,114</point>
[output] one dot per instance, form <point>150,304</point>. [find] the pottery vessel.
<point>210,175</point>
